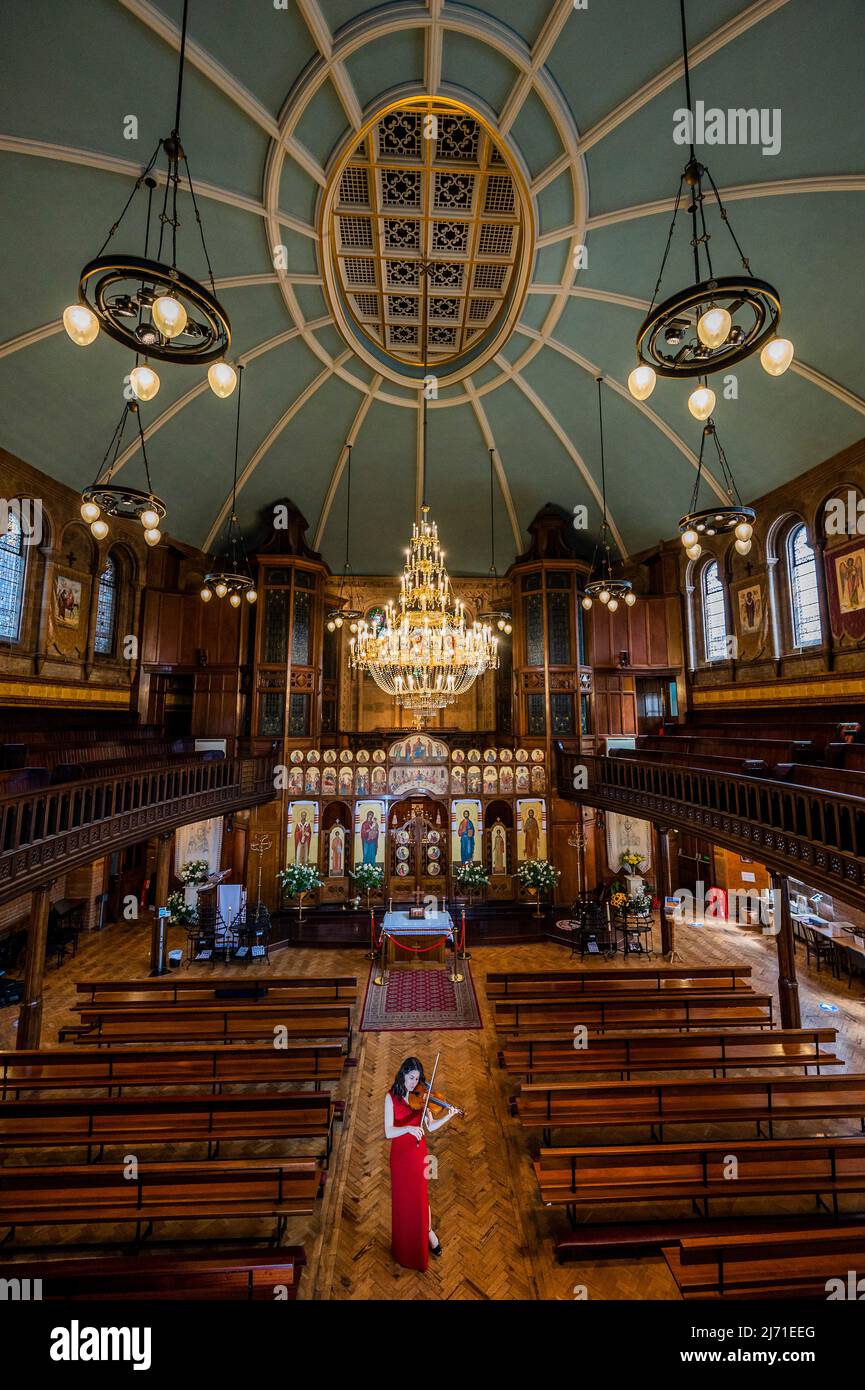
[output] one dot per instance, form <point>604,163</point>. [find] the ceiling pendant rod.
<point>493,571</point>
<point>424,270</point>
<point>176,130</point>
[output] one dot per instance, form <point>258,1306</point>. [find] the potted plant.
<point>640,904</point>
<point>298,880</point>
<point>182,913</point>
<point>471,878</point>
<point>369,878</point>
<point>538,876</point>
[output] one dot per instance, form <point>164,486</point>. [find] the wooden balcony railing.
<point>47,832</point>
<point>815,835</point>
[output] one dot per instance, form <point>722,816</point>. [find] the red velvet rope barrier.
<point>418,950</point>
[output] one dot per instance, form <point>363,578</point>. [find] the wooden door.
<point>418,848</point>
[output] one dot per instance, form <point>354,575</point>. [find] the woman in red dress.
<point>412,1235</point>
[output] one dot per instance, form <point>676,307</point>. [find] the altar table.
<point>419,942</point>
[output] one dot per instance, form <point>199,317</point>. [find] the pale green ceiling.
<point>73,71</point>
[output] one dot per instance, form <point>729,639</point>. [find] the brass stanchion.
<point>456,977</point>
<point>380,977</point>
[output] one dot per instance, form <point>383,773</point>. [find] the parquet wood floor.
<point>498,1240</point>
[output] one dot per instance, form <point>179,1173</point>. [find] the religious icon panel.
<point>466,827</point>
<point>531,829</point>
<point>302,847</point>
<point>369,832</point>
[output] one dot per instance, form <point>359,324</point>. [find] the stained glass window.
<point>537,720</point>
<point>714,614</point>
<point>804,593</point>
<point>271,714</point>
<point>13,563</point>
<point>559,628</point>
<point>562,713</point>
<point>534,630</point>
<point>300,634</point>
<point>275,627</point>
<point>298,715</point>
<point>106,609</point>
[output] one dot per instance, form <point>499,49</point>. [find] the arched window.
<point>13,564</point>
<point>804,593</point>
<point>106,609</point>
<point>714,614</point>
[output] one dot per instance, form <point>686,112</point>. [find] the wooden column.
<point>239,831</point>
<point>665,889</point>
<point>788,987</point>
<point>164,856</point>
<point>30,1017</point>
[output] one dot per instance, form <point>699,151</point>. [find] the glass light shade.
<point>694,551</point>
<point>144,382</point>
<point>153,535</point>
<point>222,378</point>
<point>713,327</point>
<point>701,402</point>
<point>352,627</point>
<point>221,589</point>
<point>89,511</point>
<point>206,594</point>
<point>149,519</point>
<point>99,529</point>
<point>604,596</point>
<point>331,625</point>
<point>587,603</point>
<point>501,624</point>
<point>641,382</point>
<point>744,531</point>
<point>169,315</point>
<point>743,547</point>
<point>235,600</point>
<point>251,595</point>
<point>508,629</point>
<point>81,324</point>
<point>630,599</point>
<point>777,356</point>
<point>612,605</point>
<point>337,622</point>
<point>689,538</point>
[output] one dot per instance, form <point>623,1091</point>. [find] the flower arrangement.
<point>181,912</point>
<point>632,861</point>
<point>640,904</point>
<point>538,874</point>
<point>298,880</point>
<point>194,871</point>
<point>369,877</point>
<point>618,900</point>
<point>472,876</point>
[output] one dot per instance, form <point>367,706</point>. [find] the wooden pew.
<point>188,989</point>
<point>641,979</point>
<point>763,1100</point>
<point>698,1172</point>
<point>227,1022</point>
<point>159,1119</point>
<point>115,1070</point>
<point>774,1264</point>
<point>237,1275</point>
<point>629,1052</point>
<point>100,1194</point>
<point>600,1239</point>
<point>726,1009</point>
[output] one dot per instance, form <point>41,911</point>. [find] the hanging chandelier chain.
<point>135,187</point>
<point>725,217</point>
<point>493,570</point>
<point>113,445</point>
<point>143,450</point>
<point>200,224</point>
<point>676,206</point>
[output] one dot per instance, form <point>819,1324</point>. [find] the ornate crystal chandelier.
<point>425,653</point>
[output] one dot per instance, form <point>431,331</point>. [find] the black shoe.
<point>436,1250</point>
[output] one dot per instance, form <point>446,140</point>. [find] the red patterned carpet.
<point>413,998</point>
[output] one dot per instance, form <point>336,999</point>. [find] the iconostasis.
<point>419,809</point>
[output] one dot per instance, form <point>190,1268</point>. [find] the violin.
<point>436,1105</point>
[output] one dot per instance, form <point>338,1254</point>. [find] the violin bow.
<point>430,1085</point>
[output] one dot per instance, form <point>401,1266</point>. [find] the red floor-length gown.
<point>409,1197</point>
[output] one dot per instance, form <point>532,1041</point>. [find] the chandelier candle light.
<point>717,321</point>
<point>150,305</point>
<point>232,579</point>
<point>106,499</point>
<point>605,588</point>
<point>715,521</point>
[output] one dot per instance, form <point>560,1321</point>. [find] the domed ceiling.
<point>535,206</point>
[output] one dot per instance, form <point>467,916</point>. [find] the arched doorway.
<point>418,852</point>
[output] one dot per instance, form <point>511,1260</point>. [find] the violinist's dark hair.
<point>410,1064</point>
